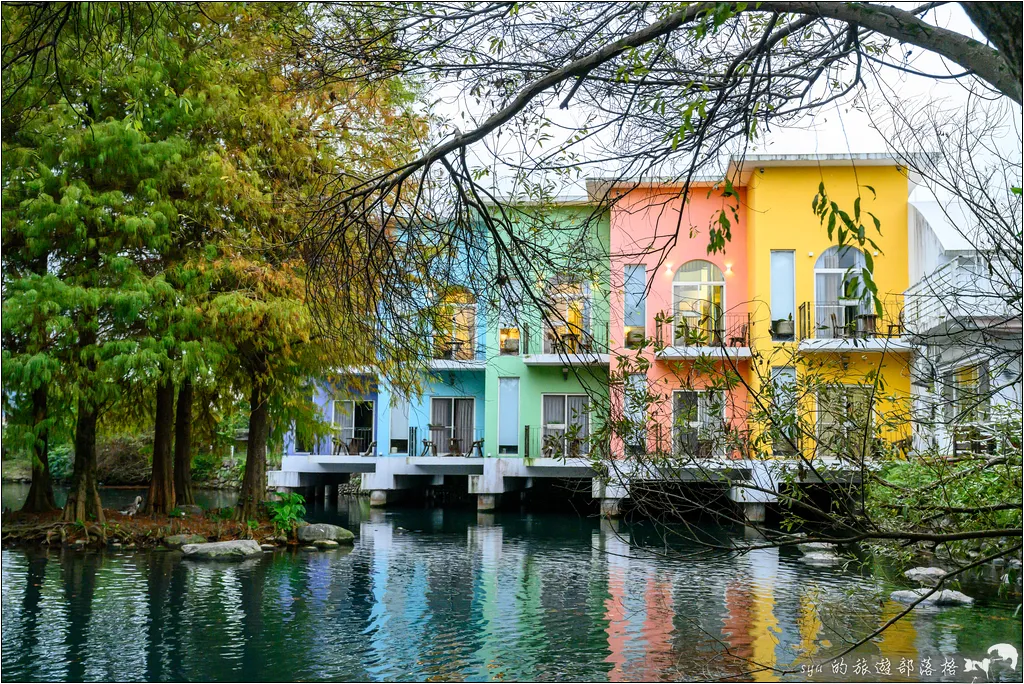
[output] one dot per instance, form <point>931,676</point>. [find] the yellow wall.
<point>780,217</point>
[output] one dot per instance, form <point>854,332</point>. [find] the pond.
<point>455,595</point>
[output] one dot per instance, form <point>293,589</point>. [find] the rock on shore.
<point>928,577</point>
<point>226,550</point>
<point>322,531</point>
<point>176,541</point>
<point>946,597</point>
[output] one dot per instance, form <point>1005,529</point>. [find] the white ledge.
<point>697,351</point>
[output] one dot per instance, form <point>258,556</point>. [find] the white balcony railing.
<point>966,293</point>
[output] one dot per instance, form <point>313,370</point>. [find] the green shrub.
<point>62,462</point>
<point>205,465</point>
<point>287,511</point>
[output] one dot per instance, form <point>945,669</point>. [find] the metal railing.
<point>729,330</point>
<point>546,442</point>
<point>447,349</point>
<point>592,339</point>
<point>353,442</point>
<point>850,319</point>
<point>965,289</point>
<point>438,440</point>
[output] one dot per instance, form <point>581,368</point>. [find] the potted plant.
<point>849,296</point>
<point>784,327</point>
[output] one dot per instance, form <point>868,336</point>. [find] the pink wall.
<point>648,228</point>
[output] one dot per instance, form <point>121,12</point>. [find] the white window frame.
<point>704,419</point>
<point>696,285</point>
<point>644,324</point>
<point>868,389</point>
<point>336,429</point>
<point>564,427</point>
<point>451,428</point>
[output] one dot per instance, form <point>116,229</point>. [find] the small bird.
<point>133,507</point>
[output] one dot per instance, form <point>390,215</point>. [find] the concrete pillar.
<point>378,498</point>
<point>486,502</point>
<point>332,493</point>
<point>611,508</point>
<point>753,511</point>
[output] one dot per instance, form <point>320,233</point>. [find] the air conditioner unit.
<point>510,345</point>
<point>634,338</point>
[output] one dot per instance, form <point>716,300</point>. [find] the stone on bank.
<point>309,534</point>
<point>226,550</point>
<point>176,541</point>
<point>928,577</point>
<point>946,597</point>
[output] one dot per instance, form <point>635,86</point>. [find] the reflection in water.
<point>456,595</point>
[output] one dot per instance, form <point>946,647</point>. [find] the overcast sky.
<point>841,127</point>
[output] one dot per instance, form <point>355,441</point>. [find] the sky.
<point>842,127</point>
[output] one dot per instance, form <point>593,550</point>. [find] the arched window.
<point>698,302</point>
<point>840,298</point>
<point>455,335</point>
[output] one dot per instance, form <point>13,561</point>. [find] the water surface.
<point>432,594</point>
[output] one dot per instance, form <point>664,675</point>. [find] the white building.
<point>963,311</point>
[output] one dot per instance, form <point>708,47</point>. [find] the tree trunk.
<point>183,445</point>
<point>40,494</point>
<point>161,485</point>
<point>84,498</point>
<point>254,484</point>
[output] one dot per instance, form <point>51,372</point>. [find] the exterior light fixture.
<point>728,269</point>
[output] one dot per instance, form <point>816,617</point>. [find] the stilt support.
<point>486,502</point>
<point>753,512</point>
<point>611,508</point>
<point>378,498</point>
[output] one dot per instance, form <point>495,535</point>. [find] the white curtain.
<point>463,425</point>
<point>441,420</point>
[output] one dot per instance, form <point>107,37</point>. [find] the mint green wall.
<point>533,380</point>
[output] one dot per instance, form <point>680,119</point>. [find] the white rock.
<point>820,558</point>
<point>816,547</point>
<point>226,550</point>
<point>925,576</point>
<point>946,597</point>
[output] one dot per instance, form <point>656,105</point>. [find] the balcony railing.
<point>850,319</point>
<point>353,442</point>
<point>728,330</point>
<point>547,442</point>
<point>967,290</point>
<point>441,440</point>
<point>564,340</point>
<point>445,349</point>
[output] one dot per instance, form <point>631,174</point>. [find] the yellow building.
<point>815,327</point>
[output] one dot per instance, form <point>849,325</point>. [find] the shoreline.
<point>119,531</point>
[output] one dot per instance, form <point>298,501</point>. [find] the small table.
<point>867,324</point>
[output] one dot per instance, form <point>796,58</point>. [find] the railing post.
<point>526,441</point>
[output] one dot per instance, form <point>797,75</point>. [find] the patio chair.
<point>741,339</point>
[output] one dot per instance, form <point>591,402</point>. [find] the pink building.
<point>679,324</point>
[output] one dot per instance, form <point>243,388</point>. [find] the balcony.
<point>548,442</point>
<point>565,346</point>
<point>452,354</point>
<point>691,337</point>
<point>968,293</point>
<point>850,324</point>
<point>446,441</point>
